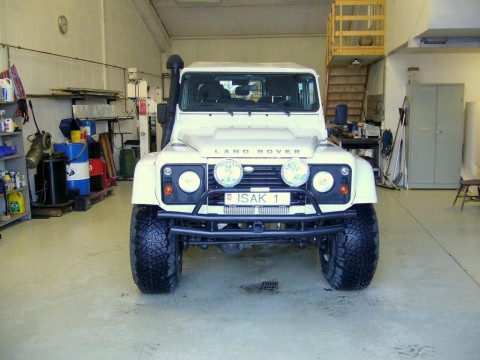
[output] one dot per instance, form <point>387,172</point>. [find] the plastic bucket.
<point>16,203</point>
<point>77,166</point>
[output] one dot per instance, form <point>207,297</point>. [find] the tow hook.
<point>257,227</point>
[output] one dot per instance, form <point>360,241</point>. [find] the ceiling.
<point>224,18</point>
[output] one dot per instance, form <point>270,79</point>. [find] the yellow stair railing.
<point>356,28</point>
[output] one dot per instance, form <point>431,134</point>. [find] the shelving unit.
<point>85,95</point>
<point>15,163</point>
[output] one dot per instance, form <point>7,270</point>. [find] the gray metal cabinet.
<point>434,141</point>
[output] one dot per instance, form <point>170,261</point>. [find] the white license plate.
<point>257,199</point>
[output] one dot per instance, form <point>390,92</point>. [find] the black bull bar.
<point>206,224</point>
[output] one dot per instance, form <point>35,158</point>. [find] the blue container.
<point>341,114</point>
<point>78,176</point>
<point>89,126</point>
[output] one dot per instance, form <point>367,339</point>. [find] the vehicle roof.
<point>286,67</point>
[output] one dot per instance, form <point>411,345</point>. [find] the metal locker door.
<point>421,140</point>
<point>449,136</point>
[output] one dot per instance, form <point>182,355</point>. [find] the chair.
<point>464,187</point>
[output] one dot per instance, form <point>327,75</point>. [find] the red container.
<point>97,167</point>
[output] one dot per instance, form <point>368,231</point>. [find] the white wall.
<point>463,14</point>
<point>306,51</point>
<point>406,19</point>
<point>434,68</point>
<point>104,31</point>
<point>375,82</point>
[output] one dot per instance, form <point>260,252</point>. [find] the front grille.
<point>262,176</point>
<point>239,210</point>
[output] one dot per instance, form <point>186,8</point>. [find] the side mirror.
<point>162,110</point>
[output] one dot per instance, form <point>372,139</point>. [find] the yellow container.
<point>76,136</point>
<point>16,203</point>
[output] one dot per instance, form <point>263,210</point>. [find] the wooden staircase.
<point>345,85</point>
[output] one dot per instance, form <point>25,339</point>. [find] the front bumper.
<point>255,227</point>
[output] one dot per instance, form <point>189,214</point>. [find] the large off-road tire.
<point>156,258</point>
<point>349,259</point>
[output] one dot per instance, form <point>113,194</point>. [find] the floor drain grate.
<point>269,285</point>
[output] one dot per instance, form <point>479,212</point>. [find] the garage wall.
<point>406,19</point>
<point>104,31</point>
<point>307,51</point>
<point>434,68</point>
<point>462,16</point>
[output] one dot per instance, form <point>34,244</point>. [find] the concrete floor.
<point>66,292</point>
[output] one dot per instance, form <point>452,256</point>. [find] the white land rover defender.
<point>245,160</point>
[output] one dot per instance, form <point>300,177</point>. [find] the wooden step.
<point>352,104</point>
<point>347,80</point>
<point>334,71</point>
<point>345,96</point>
<point>340,88</point>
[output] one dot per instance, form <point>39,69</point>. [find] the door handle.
<point>438,132</point>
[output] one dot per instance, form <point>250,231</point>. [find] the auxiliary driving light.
<point>228,173</point>
<point>322,181</point>
<point>295,172</point>
<point>189,182</point>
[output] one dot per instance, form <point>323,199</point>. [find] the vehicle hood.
<point>245,142</point>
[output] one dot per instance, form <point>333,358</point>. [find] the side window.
<point>306,93</point>
<point>312,96</point>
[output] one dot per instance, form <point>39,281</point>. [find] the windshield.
<point>249,92</point>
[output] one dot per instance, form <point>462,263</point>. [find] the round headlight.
<point>228,173</point>
<point>322,181</point>
<point>189,181</point>
<point>295,172</point>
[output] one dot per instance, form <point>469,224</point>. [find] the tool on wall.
<point>391,181</point>
<point>41,142</point>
